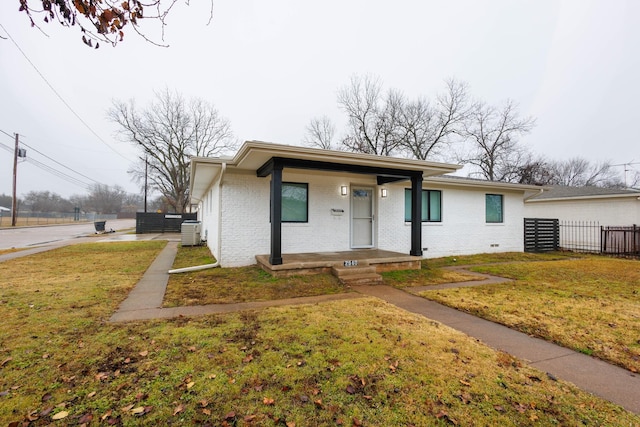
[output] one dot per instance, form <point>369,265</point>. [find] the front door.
<point>362,217</point>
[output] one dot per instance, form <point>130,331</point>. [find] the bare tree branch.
<point>319,133</point>
<point>371,128</point>
<point>493,134</point>
<point>429,128</point>
<point>168,132</point>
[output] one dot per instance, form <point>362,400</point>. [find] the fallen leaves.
<point>60,415</point>
<point>178,409</point>
<point>268,401</point>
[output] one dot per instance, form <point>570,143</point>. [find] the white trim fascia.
<point>334,156</point>
<point>593,197</point>
<point>462,182</point>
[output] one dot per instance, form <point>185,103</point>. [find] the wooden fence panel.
<point>541,235</point>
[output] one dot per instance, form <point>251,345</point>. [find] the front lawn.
<point>242,284</point>
<point>591,304</point>
<point>356,362</point>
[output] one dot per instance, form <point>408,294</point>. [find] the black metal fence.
<point>152,222</point>
<point>591,237</point>
<point>580,236</point>
<point>620,240</point>
<point>543,235</point>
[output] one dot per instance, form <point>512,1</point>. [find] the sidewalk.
<point>144,302</point>
<point>612,383</point>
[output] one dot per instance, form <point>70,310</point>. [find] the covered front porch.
<point>340,263</point>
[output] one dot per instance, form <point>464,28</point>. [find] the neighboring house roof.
<point>559,192</point>
<point>461,181</point>
<point>2,208</point>
<point>253,155</point>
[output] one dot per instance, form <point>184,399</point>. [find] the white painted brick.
<point>246,228</point>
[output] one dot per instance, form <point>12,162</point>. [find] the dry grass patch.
<point>11,250</point>
<point>357,362</point>
<point>432,272</point>
<point>242,284</point>
<point>426,276</point>
<point>590,305</point>
<point>498,257</point>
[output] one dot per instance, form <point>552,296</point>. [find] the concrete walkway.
<point>145,300</point>
<point>599,378</point>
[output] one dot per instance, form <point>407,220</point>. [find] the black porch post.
<point>276,214</point>
<point>416,214</point>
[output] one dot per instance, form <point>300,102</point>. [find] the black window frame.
<point>299,185</point>
<point>425,212</point>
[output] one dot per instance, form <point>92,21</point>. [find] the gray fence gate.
<point>623,241</point>
<point>152,222</point>
<point>541,235</point>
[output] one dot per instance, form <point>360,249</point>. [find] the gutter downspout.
<point>194,268</point>
<point>540,191</point>
<point>218,243</point>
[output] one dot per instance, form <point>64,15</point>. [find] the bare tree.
<point>46,201</point>
<point>579,172</point>
<point>103,199</point>
<point>168,132</point>
<point>319,133</point>
<point>428,127</point>
<point>493,134</point>
<point>101,20</point>
<point>372,124</point>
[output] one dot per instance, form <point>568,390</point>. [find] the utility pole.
<point>14,204</point>
<point>146,175</point>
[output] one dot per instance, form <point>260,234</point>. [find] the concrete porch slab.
<point>322,262</point>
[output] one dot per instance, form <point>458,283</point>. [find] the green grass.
<point>589,304</point>
<point>242,284</point>
<point>426,276</point>
<point>189,256</point>
<point>500,257</point>
<point>351,362</point>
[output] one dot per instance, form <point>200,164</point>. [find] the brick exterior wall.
<point>246,229</point>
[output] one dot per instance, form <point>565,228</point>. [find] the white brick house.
<point>337,201</point>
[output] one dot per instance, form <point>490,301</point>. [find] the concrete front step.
<point>356,275</point>
<point>342,271</point>
<point>361,279</point>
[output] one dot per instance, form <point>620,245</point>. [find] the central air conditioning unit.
<point>190,232</point>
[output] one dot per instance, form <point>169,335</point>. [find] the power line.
<point>52,170</point>
<point>60,96</point>
<point>55,161</point>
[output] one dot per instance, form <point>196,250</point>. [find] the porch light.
<point>383,192</point>
<point>344,190</point>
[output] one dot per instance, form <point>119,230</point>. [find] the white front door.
<point>362,217</point>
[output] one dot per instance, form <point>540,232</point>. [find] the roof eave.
<point>462,182</point>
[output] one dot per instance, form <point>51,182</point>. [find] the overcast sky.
<point>269,67</point>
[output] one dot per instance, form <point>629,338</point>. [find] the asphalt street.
<point>26,237</point>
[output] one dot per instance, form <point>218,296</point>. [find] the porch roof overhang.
<point>259,157</point>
